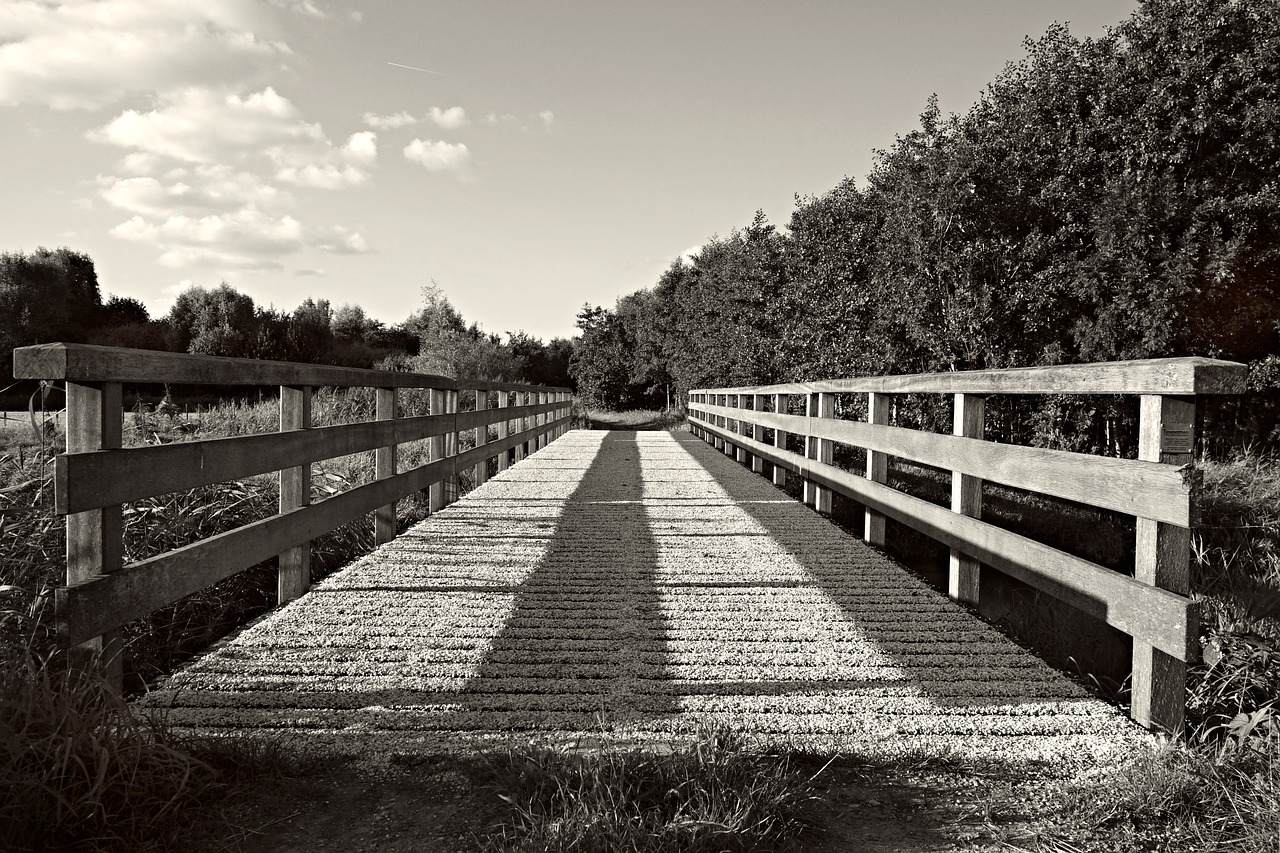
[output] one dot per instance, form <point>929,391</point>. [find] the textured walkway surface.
<point>637,586</point>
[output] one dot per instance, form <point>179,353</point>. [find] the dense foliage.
<point>54,296</point>
<point>1106,198</point>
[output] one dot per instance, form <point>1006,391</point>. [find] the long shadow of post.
<point>585,647</point>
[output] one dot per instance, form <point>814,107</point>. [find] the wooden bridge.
<point>642,585</point>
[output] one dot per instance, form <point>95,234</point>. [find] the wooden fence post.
<point>781,403</point>
<point>504,427</point>
<point>522,423</point>
<point>819,450</point>
<point>877,468</point>
<point>757,432</point>
<point>1162,559</point>
<point>384,463</point>
<point>481,472</point>
<point>95,538</point>
<point>966,498</point>
<point>453,485</point>
<point>741,428</point>
<point>435,451</point>
<point>294,574</point>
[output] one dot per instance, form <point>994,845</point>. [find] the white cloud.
<point>201,125</point>
<point>322,176</point>
<point>438,156</point>
<point>243,239</point>
<point>215,189</point>
<point>450,119</point>
<point>547,117</point>
<point>301,7</point>
<point>391,122</point>
<point>361,148</point>
<point>85,55</point>
<point>342,241</point>
<point>308,272</point>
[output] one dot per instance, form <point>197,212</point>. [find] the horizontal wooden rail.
<point>1159,489</point>
<point>1180,376</point>
<point>102,603</point>
<point>97,474</point>
<point>92,363</point>
<point>99,478</point>
<point>1144,489</point>
<point>1166,620</point>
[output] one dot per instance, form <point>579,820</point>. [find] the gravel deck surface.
<point>634,586</point>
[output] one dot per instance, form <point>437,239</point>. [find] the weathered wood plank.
<point>91,363</point>
<point>1142,489</point>
<point>966,498</point>
<point>384,463</point>
<point>481,472</point>
<point>780,405</point>
<point>504,427</point>
<point>877,469</point>
<point>1164,619</point>
<point>1185,376</point>
<point>95,538</point>
<point>1162,559</point>
<point>293,576</point>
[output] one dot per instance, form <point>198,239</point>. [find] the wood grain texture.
<point>87,480</point>
<point>1164,619</point>
<point>384,463</point>
<point>504,427</point>
<point>95,538</point>
<point>963,571</point>
<point>1139,488</point>
<point>293,577</point>
<point>877,468</point>
<point>481,472</point>
<point>1150,376</point>
<point>90,363</point>
<point>780,405</point>
<point>757,404</point>
<point>1162,559</point>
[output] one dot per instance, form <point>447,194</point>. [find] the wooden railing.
<point>1158,488</point>
<point>97,474</point>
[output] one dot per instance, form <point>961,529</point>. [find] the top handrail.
<point>1165,376</point>
<point>92,363</point>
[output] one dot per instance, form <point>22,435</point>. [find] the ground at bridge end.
<point>634,591</point>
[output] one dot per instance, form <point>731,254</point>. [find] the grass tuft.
<point>79,771</point>
<point>715,795</point>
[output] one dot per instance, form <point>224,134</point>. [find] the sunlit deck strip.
<point>636,586</point>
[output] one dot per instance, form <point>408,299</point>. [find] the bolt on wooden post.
<point>294,574</point>
<point>95,538</point>
<point>384,463</point>
<point>780,405</point>
<point>877,468</point>
<point>964,572</point>
<point>1163,559</point>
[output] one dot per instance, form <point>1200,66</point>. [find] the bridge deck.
<point>635,586</point>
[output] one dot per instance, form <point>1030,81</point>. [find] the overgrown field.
<point>75,760</point>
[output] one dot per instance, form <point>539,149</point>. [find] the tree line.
<point>54,295</point>
<point>1105,198</point>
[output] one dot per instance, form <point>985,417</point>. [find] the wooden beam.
<point>481,472</point>
<point>89,363</point>
<point>294,573</point>
<point>94,538</point>
<point>435,452</point>
<point>964,571</point>
<point>1139,488</point>
<point>504,427</point>
<point>781,406</point>
<point>384,463</point>
<point>1184,376</point>
<point>1162,560</point>
<point>877,468</point>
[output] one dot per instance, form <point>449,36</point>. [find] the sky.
<point>526,157</point>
